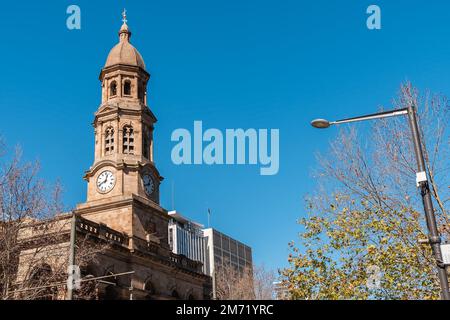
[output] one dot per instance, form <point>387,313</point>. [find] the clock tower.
<point>124,173</point>
<point>122,217</point>
<point>123,163</point>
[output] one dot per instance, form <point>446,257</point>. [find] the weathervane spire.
<point>124,16</point>
<point>124,32</point>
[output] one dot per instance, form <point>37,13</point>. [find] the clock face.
<point>149,184</point>
<point>106,181</point>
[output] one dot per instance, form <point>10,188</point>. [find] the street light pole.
<point>73,232</point>
<point>434,238</point>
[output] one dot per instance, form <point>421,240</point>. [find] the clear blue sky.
<point>231,64</point>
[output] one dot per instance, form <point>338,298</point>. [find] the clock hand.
<point>100,182</point>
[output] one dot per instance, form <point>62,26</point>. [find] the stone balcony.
<point>102,231</point>
<point>137,244</point>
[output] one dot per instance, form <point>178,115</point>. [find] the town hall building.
<point>122,207</point>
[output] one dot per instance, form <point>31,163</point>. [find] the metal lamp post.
<point>421,178</point>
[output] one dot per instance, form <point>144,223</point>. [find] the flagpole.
<point>209,218</point>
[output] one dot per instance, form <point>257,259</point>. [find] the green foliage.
<point>342,244</point>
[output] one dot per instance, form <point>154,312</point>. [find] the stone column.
<point>119,86</point>
<point>151,143</point>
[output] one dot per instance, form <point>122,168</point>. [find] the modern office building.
<point>208,246</point>
<point>223,250</point>
<point>186,238</point>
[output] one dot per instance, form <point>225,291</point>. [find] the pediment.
<point>106,109</point>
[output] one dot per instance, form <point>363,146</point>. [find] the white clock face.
<point>106,181</point>
<point>149,184</point>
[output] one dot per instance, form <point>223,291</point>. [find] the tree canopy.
<point>360,238</point>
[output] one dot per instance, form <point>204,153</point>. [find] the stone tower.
<point>123,163</point>
<point>122,210</point>
<point>123,182</point>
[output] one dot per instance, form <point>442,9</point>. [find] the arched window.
<point>128,140</point>
<point>109,141</point>
<point>109,293</point>
<point>113,89</point>
<point>40,278</point>
<point>149,287</point>
<point>141,92</point>
<point>88,289</point>
<point>146,142</point>
<point>175,294</point>
<point>190,295</point>
<point>127,88</point>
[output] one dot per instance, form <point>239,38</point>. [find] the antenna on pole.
<point>173,195</point>
<point>209,217</point>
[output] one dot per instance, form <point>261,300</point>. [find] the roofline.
<point>226,235</point>
<point>177,216</point>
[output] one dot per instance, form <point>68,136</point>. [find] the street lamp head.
<point>320,123</point>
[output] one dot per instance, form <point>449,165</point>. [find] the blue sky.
<point>231,64</point>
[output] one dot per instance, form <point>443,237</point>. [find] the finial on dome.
<point>124,16</point>
<point>124,33</point>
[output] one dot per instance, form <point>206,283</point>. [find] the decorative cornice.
<point>123,67</point>
<point>120,109</point>
<point>104,163</point>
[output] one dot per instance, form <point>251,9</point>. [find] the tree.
<point>360,239</point>
<point>254,283</point>
<point>263,282</point>
<point>33,235</point>
<point>233,284</point>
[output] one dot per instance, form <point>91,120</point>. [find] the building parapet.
<point>102,231</point>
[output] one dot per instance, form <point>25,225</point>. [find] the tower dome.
<point>123,52</point>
